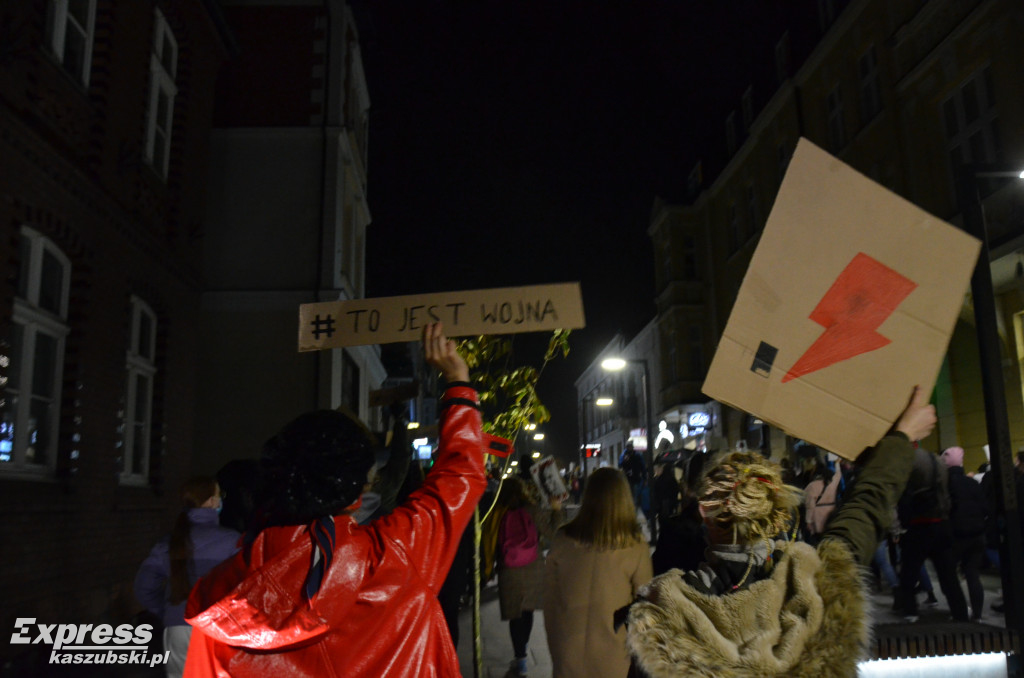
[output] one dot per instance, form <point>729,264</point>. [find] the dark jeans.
<point>968,553</point>
<point>520,629</point>
<point>932,541</point>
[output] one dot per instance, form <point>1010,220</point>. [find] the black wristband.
<point>901,433</point>
<point>454,384</point>
<point>448,402</point>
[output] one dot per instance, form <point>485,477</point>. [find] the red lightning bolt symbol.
<point>859,301</point>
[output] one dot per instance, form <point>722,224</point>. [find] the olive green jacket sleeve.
<point>867,509</point>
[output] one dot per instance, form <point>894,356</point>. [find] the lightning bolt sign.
<point>859,301</point>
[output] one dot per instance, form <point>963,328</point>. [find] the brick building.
<point>105,110</point>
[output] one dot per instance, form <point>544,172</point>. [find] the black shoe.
<point>998,607</point>
<point>931,600</point>
<point>897,600</point>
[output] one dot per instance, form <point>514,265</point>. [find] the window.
<point>163,65</point>
<point>35,361</point>
<point>836,123</point>
<point>730,133</point>
<point>753,210</point>
<point>870,94</point>
<point>349,382</point>
<point>70,27</point>
<point>747,108</point>
<point>735,229</point>
<point>667,269</point>
<point>782,58</point>
<point>138,411</point>
<point>828,10</point>
<point>969,117</point>
<point>695,180</point>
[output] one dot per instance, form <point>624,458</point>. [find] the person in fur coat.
<point>761,605</point>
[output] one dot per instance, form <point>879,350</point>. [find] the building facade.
<point>105,112</point>
<point>286,224</point>
<point>902,91</point>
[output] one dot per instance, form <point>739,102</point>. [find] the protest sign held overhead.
<point>548,480</point>
<point>849,301</point>
<point>506,310</point>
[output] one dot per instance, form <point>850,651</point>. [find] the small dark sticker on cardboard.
<point>764,359</point>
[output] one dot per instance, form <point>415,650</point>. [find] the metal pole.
<point>994,393</point>
<point>582,437</point>
<point>478,645</point>
<point>649,454</point>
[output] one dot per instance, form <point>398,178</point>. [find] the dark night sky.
<point>523,142</point>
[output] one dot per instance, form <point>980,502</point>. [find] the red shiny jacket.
<point>376,613</point>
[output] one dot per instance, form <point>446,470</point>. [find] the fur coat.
<point>809,617</point>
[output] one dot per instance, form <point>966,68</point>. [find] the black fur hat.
<point>315,466</point>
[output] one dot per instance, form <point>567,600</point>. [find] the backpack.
<point>518,539</point>
<point>928,499</point>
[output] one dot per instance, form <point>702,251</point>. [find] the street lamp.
<point>616,364</point>
<point>993,388</point>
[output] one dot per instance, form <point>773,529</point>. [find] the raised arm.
<point>428,525</point>
<point>867,510</point>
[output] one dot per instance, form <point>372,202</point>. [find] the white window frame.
<point>140,362</point>
<point>161,82</point>
<point>60,22</point>
<point>34,320</point>
<point>836,121</point>
<point>870,92</point>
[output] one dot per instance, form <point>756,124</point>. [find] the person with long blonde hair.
<point>597,563</point>
<point>762,604</point>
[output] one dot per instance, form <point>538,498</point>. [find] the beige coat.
<point>583,588</point>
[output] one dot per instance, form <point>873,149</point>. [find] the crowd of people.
<point>340,565</point>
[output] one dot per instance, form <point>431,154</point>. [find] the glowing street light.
<point>536,455</point>
<point>538,436</point>
<point>613,364</point>
<point>412,425</point>
<point>604,401</point>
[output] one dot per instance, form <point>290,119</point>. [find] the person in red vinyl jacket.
<point>315,594</point>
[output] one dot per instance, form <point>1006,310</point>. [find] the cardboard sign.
<point>849,301</point>
<point>549,480</point>
<point>384,320</point>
